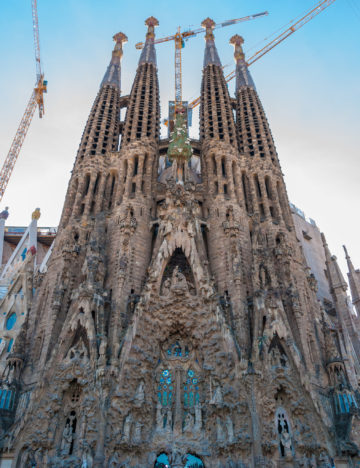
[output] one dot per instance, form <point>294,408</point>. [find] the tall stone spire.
<point>148,54</point>
<point>216,116</point>
<point>113,73</point>
<point>354,281</point>
<point>143,113</point>
<point>211,55</point>
<point>100,137</point>
<point>243,77</point>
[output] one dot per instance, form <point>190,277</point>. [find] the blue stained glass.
<point>190,373</point>
<point>168,380</point>
<point>185,399</point>
<point>3,396</point>
<point>194,381</point>
<point>10,322</point>
<point>191,399</point>
<point>342,408</point>
<point>162,380</point>
<point>185,388</point>
<point>164,399</point>
<point>7,401</point>
<point>188,381</point>
<point>10,345</point>
<point>170,398</point>
<point>165,373</point>
<point>170,387</point>
<point>159,396</point>
<point>197,398</point>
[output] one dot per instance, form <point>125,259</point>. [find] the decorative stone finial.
<point>5,213</point>
<point>243,77</point>
<point>36,214</point>
<point>237,42</point>
<point>120,39</point>
<point>208,24</point>
<point>151,23</point>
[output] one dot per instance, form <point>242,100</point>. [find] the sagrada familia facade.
<point>177,323</point>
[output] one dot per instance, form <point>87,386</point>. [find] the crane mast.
<point>318,8</point>
<point>36,100</point>
<point>179,39</point>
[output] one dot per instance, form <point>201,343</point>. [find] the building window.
<point>10,322</point>
<point>165,388</point>
<point>191,389</point>
<point>10,345</point>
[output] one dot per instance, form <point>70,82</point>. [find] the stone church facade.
<point>177,323</point>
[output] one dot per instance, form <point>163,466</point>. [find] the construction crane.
<point>179,39</point>
<point>36,100</point>
<point>318,8</point>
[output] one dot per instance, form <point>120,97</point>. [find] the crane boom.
<point>15,148</point>
<point>188,34</point>
<point>36,38</point>
<point>36,100</point>
<point>318,8</point>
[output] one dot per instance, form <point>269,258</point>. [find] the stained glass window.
<point>162,461</point>
<point>193,461</point>
<point>191,389</point>
<point>10,345</point>
<point>10,322</point>
<point>165,388</point>
<point>177,349</point>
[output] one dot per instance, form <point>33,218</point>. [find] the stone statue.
<point>166,287</point>
<point>178,281</point>
<point>285,439</point>
<point>217,398</point>
<point>5,213</point>
<point>220,436</point>
<point>127,428</point>
<point>159,417</point>
<point>139,397</point>
<point>198,417</point>
<point>36,214</point>
<point>189,423</point>
<point>169,419</point>
<point>230,429</point>
<point>67,436</point>
<point>137,432</point>
<point>86,458</point>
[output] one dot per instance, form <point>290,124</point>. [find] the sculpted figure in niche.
<point>220,436</point>
<point>166,287</point>
<point>127,428</point>
<point>139,395</point>
<point>178,281</point>
<point>159,417</point>
<point>188,423</point>
<point>169,420</point>
<point>67,436</point>
<point>137,432</point>
<point>217,398</point>
<point>230,429</point>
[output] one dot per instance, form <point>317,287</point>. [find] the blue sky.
<point>308,86</point>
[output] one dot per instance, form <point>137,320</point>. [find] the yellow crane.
<point>318,8</point>
<point>179,39</point>
<point>36,100</point>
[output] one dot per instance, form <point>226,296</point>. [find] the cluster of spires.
<point>148,54</point>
